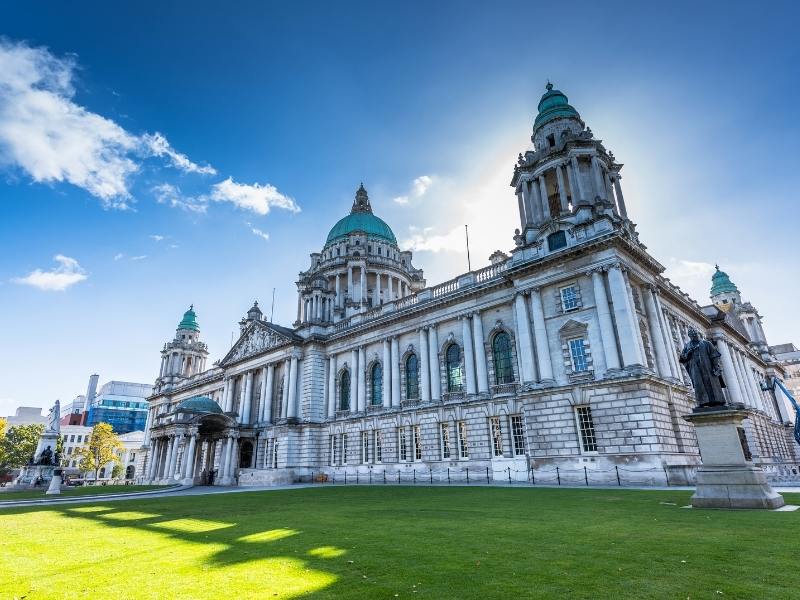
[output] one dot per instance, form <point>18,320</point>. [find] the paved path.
<point>207,490</point>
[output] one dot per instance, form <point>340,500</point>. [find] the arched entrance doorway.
<point>130,471</point>
<point>246,455</point>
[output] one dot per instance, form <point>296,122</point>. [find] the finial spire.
<point>549,85</point>
<point>361,203</point>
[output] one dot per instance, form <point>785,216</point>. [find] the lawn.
<point>71,492</point>
<point>397,541</point>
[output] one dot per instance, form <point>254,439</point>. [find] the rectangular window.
<point>497,436</point>
<point>569,298</point>
<point>344,449</point>
<point>586,429</point>
<point>333,450</point>
<point>378,446</point>
<point>445,429</point>
<point>518,434</point>
<point>365,446</point>
<point>577,352</point>
<point>401,445</point>
<point>72,438</point>
<point>275,455</point>
<point>417,443</point>
<point>463,449</point>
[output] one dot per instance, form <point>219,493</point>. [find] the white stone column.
<point>562,189</point>
<point>395,347</point>
<point>299,307</point>
<point>188,461</point>
<point>728,371</point>
<point>521,206</point>
<point>666,333</point>
<point>293,404</point>
<point>338,291</point>
<point>433,360</point>
<point>737,366</point>
<point>545,200</point>
<point>332,386</point>
<point>169,449</point>
<point>534,200</point>
<point>285,394</point>
<point>469,355</point>
<point>480,354</point>
<point>620,199</point>
<point>363,293</point>
<point>580,192</point>
<point>540,338</point>
<point>387,374</point>
<point>173,457</point>
<point>228,455</point>
<point>152,455</point>
<point>247,405</point>
<point>354,381</point>
<point>376,291</point>
<point>656,334</point>
<point>350,283</point>
<point>226,395</point>
<point>600,188</point>
<point>268,392</point>
<point>604,318</point>
<point>362,379</point>
<point>623,313</point>
<point>392,295</point>
<point>524,344</point>
<point>424,367</point>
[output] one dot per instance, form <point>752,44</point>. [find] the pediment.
<point>573,326</point>
<point>256,338</point>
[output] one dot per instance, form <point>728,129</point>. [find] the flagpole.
<point>272,310</point>
<point>466,233</point>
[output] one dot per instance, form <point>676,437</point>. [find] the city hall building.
<point>562,353</point>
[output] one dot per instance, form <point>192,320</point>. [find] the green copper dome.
<point>189,320</point>
<point>721,283</point>
<point>554,105</point>
<point>362,220</point>
<point>199,404</point>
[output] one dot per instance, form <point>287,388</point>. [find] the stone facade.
<point>561,357</point>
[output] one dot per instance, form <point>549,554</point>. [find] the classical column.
<point>576,170</point>
<point>606,324</point>
<point>226,395</point>
<point>151,455</point>
<point>433,360</point>
<point>739,368</point>
<point>424,367</point>
<point>480,354</point>
<point>609,189</point>
<point>524,338</point>
<point>395,347</point>
<point>620,199</point>
<point>228,456</point>
<point>376,291</point>
<point>332,385</point>
<point>170,448</point>
<point>637,329</point>
<point>529,199</point>
<point>545,201</point>
<point>362,379</point>
<point>728,371</point>
<point>270,393</point>
<point>666,332</point>
<point>285,394</point>
<point>469,355</point>
<point>624,315</point>
<point>362,297</point>
<point>338,292</point>
<point>387,374</point>
<point>391,288</point>
<point>173,457</point>
<point>354,381</point>
<point>299,306</point>
<point>597,171</point>
<point>247,405</point>
<point>293,408</point>
<point>656,334</point>
<point>188,459</point>
<point>562,189</point>
<point>534,201</point>
<point>540,338</point>
<point>262,397</point>
<point>521,206</point>
<point>350,283</point>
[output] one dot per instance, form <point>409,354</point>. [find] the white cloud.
<point>693,277</point>
<point>256,197</point>
<point>256,231</point>
<point>66,274</point>
<point>425,239</point>
<point>159,146</point>
<point>157,237</point>
<point>419,186</point>
<point>119,256</point>
<point>53,139</point>
<point>166,193</point>
<point>140,257</point>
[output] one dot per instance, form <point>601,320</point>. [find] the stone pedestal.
<point>727,477</point>
<point>55,484</point>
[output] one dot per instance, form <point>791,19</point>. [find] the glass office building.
<point>122,405</point>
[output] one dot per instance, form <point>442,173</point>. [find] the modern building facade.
<point>77,436</point>
<point>562,353</point>
<point>121,404</point>
<point>27,415</point>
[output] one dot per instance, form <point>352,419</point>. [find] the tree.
<point>19,444</point>
<point>102,449</point>
<point>116,471</point>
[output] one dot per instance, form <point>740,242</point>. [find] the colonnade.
<point>181,363</point>
<point>182,456</point>
<point>264,399</point>
<point>533,198</point>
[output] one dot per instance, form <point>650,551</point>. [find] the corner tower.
<point>185,355</point>
<point>360,268</point>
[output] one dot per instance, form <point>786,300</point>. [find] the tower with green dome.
<point>185,355</point>
<point>724,293</point>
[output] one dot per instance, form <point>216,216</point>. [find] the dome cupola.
<point>361,220</point>
<point>189,320</point>
<point>554,105</point>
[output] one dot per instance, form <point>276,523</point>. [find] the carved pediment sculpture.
<point>255,339</point>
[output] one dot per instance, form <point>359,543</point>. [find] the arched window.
<point>412,377</point>
<point>455,379</point>
<point>344,391</point>
<point>377,384</point>
<point>501,352</point>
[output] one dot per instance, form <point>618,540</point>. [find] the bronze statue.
<point>46,457</point>
<point>701,360</point>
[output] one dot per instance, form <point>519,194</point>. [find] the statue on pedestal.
<point>701,360</point>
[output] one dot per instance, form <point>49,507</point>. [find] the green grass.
<point>71,492</point>
<point>393,541</point>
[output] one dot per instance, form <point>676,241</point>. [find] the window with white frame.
<point>577,353</point>
<point>586,428</point>
<point>417,443</point>
<point>378,446</point>
<point>275,454</point>
<point>518,434</point>
<point>445,435</point>
<point>365,446</point>
<point>497,436</point>
<point>333,450</point>
<point>344,449</point>
<point>402,445</point>
<point>463,449</point>
<point>570,299</point>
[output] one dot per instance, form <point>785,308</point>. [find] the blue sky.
<point>203,151</point>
